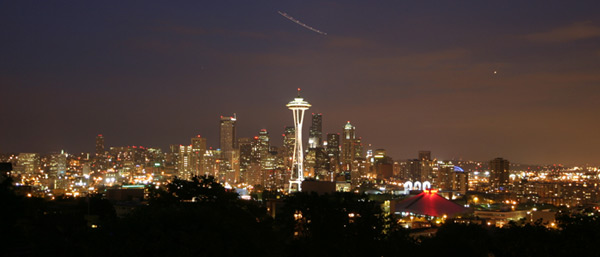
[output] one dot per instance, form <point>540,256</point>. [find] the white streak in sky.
<point>300,23</point>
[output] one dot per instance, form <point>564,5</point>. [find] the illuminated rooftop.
<point>298,103</point>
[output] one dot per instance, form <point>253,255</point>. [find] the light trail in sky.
<point>301,24</point>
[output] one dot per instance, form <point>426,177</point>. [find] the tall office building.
<point>426,167</point>
<point>227,133</point>
<point>298,106</point>
<point>99,145</point>
<point>28,163</point>
<point>58,164</point>
<point>315,131</point>
<point>185,162</point>
<point>358,148</point>
<point>245,147</point>
<point>197,155</point>
<point>499,173</point>
<point>210,162</point>
<point>348,146</point>
<point>412,170</point>
<point>289,140</point>
<point>425,155</point>
<point>333,151</point>
<point>452,178</point>
<point>198,144</point>
<point>263,148</point>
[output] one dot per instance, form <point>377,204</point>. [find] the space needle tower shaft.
<point>298,106</point>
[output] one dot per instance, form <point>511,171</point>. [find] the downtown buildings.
<point>339,157</point>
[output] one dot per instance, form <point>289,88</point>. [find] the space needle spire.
<point>298,106</point>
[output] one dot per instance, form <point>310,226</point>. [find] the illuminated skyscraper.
<point>289,140</point>
<point>348,146</point>
<point>452,178</point>
<point>99,145</point>
<point>333,151</point>
<point>315,131</point>
<point>264,148</point>
<point>227,133</point>
<point>426,166</point>
<point>184,168</point>
<point>425,155</point>
<point>358,148</point>
<point>58,164</point>
<point>28,163</point>
<point>298,106</point>
<point>197,155</point>
<point>499,173</point>
<point>245,147</point>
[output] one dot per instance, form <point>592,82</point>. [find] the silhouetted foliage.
<point>454,239</point>
<point>335,225</point>
<point>202,218</point>
<point>196,218</point>
<point>527,240</point>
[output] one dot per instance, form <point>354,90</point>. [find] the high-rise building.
<point>298,106</point>
<point>185,160</point>
<point>451,178</point>
<point>245,146</point>
<point>412,170</point>
<point>426,171</point>
<point>315,131</point>
<point>198,144</point>
<point>58,164</point>
<point>99,145</point>
<point>383,164</point>
<point>499,173</point>
<point>28,163</point>
<point>289,141</point>
<point>425,155</point>
<point>317,163</point>
<point>349,146</point>
<point>445,176</point>
<point>197,155</point>
<point>227,133</point>
<point>263,148</point>
<point>230,166</point>
<point>333,152</point>
<point>255,156</point>
<point>358,148</point>
<point>210,162</point>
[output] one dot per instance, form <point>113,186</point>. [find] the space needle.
<point>298,106</point>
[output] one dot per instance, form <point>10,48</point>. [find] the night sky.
<point>410,75</point>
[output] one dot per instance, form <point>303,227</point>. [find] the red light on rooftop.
<point>431,191</point>
<point>198,136</point>
<point>255,137</point>
<point>99,135</point>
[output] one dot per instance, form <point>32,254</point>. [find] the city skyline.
<point>519,83</point>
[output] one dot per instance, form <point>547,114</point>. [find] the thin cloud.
<point>573,32</point>
<point>349,42</point>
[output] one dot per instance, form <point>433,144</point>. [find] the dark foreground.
<point>219,224</point>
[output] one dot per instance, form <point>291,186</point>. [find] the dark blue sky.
<point>409,75</point>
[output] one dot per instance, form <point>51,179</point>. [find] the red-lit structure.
<point>428,203</point>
